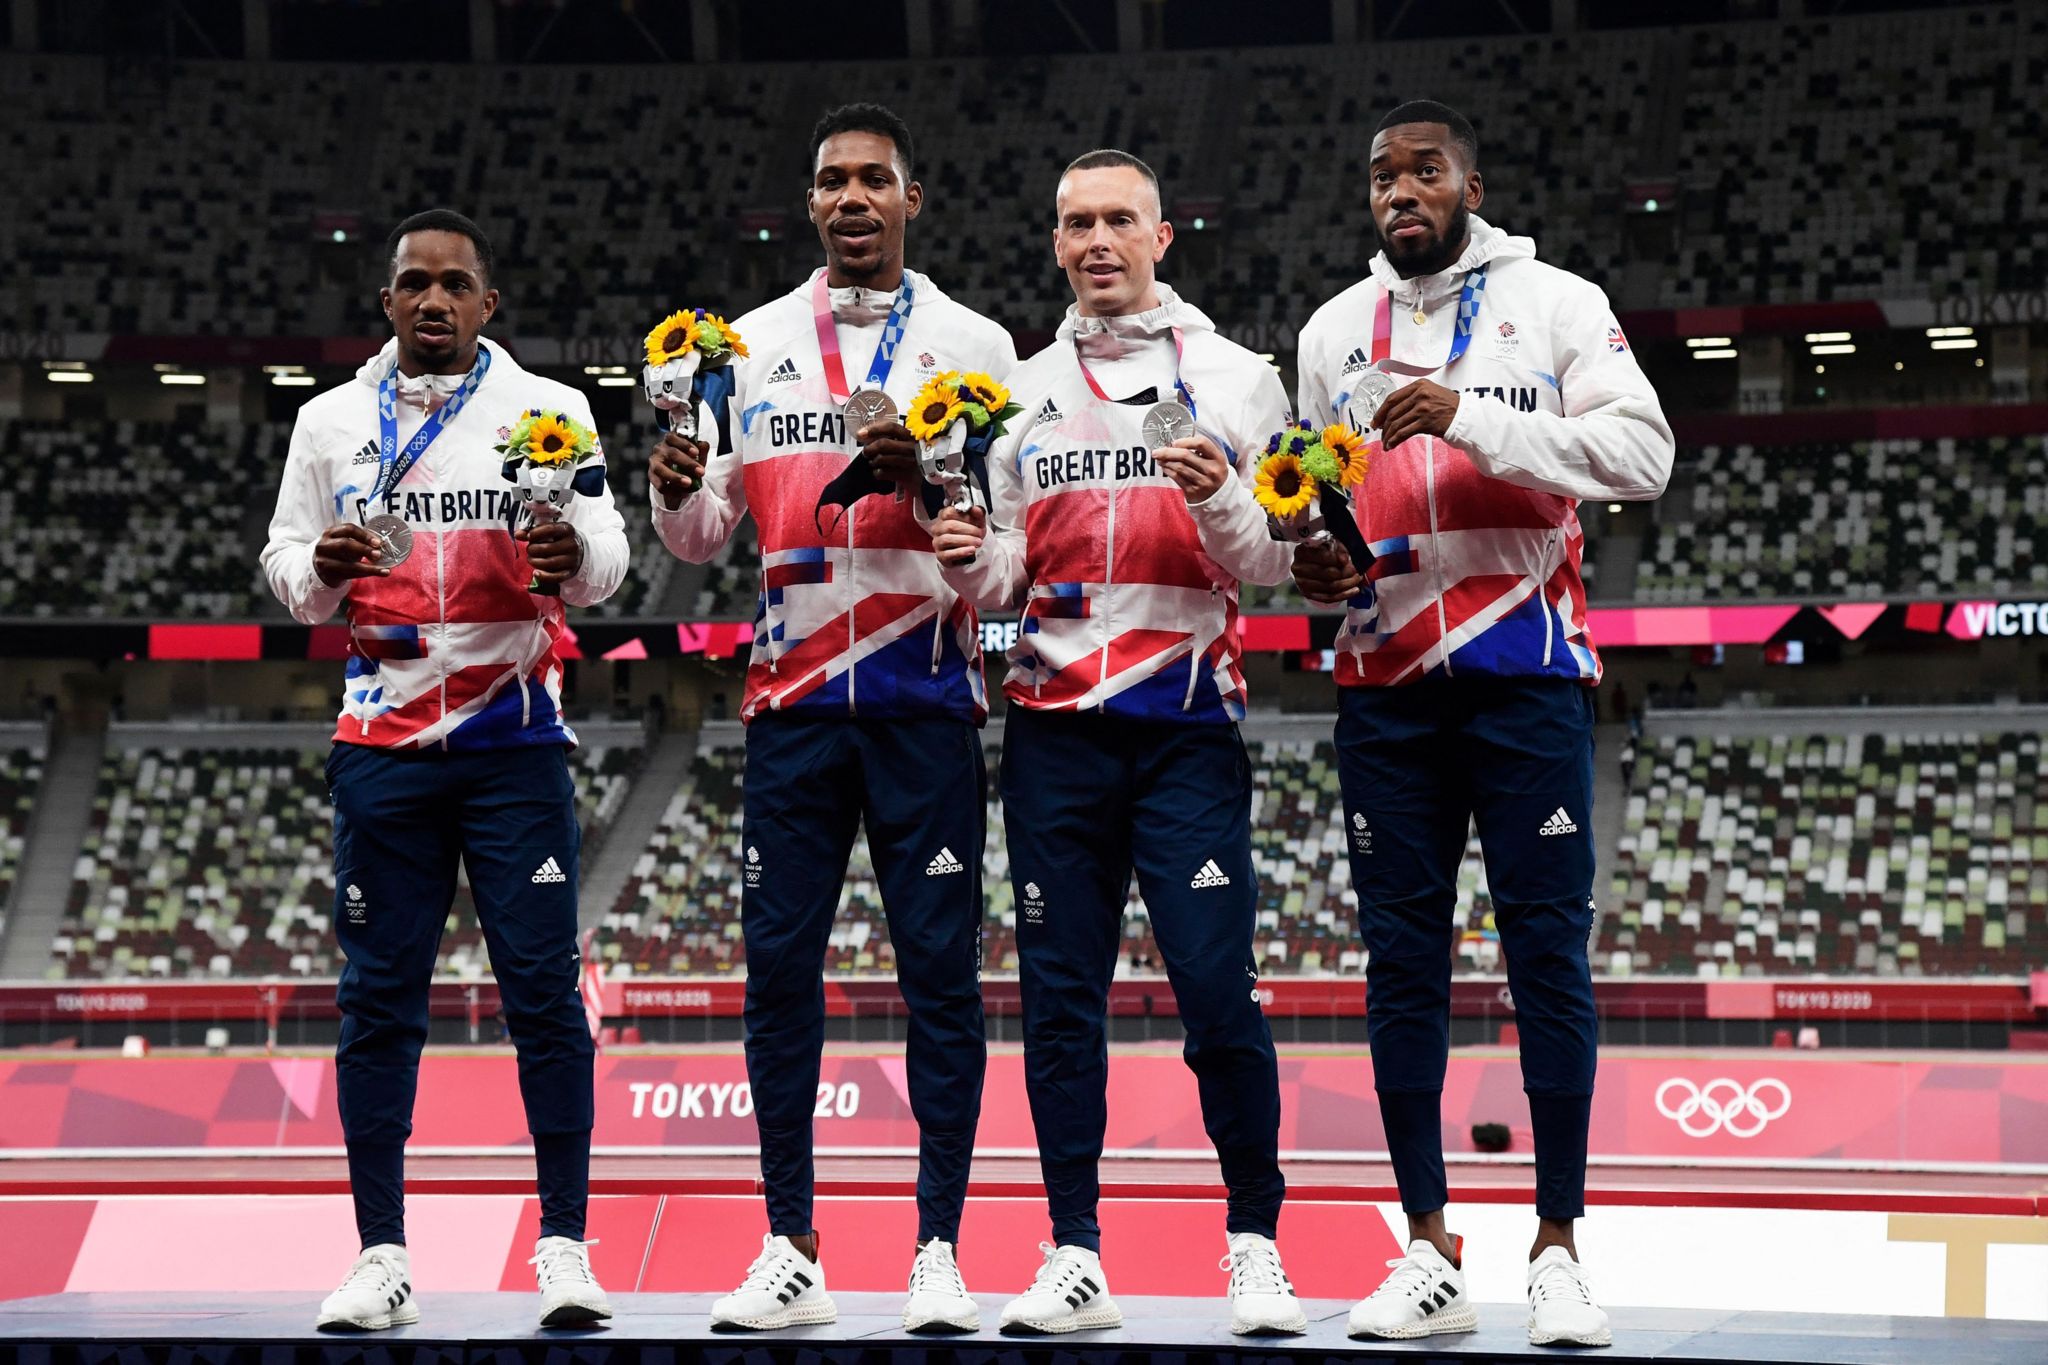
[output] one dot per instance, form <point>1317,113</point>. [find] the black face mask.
<point>1446,254</point>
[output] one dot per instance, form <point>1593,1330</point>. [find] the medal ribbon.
<point>392,464</point>
<point>828,340</point>
<point>1179,349</point>
<point>1461,339</point>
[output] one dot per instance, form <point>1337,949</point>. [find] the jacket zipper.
<point>1108,582</point>
<point>1443,629</point>
<point>852,624</point>
<point>441,588</point>
<point>1549,550</point>
<point>1436,568</point>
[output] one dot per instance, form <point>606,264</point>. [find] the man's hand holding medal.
<point>347,551</point>
<point>884,441</point>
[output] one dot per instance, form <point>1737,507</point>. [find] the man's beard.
<point>1442,255</point>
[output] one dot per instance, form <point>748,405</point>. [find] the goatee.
<point>1429,260</point>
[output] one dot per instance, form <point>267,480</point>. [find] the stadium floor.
<point>664,1327</point>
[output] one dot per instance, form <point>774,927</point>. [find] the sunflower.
<point>1349,448</point>
<point>1283,487</point>
<point>553,439</point>
<point>714,337</point>
<point>937,406</point>
<point>985,391</point>
<point>672,338</point>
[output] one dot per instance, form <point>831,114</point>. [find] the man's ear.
<point>490,304</point>
<point>1475,190</point>
<point>913,200</point>
<point>384,299</point>
<point>1161,240</point>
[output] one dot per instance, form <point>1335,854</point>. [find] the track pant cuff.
<point>561,1164</point>
<point>1560,1123</point>
<point>376,1182</point>
<point>1415,1140</point>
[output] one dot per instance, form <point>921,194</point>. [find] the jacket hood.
<point>427,391</point>
<point>1484,245</point>
<point>1113,338</point>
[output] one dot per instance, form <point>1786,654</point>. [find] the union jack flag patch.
<point>1615,340</point>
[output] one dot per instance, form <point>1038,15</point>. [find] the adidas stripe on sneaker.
<point>783,1288</point>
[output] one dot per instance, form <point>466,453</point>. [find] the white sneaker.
<point>783,1288</point>
<point>377,1293</point>
<point>1423,1296</point>
<point>938,1296</point>
<point>1561,1307</point>
<point>1262,1302</point>
<point>1069,1294</point>
<point>569,1294</point>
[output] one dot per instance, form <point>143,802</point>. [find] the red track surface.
<point>1983,1193</point>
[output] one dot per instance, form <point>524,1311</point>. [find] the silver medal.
<point>1166,423</point>
<point>397,538</point>
<point>1374,388</point>
<point>867,407</point>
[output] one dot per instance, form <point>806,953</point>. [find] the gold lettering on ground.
<point>1966,1236</point>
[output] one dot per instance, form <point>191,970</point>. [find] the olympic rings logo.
<point>1722,1105</point>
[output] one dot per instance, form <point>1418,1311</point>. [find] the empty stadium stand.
<point>1747,847</point>
<point>159,184</point>
<point>218,861</point>
<point>1869,518</point>
<point>1867,110</point>
<point>1894,853</point>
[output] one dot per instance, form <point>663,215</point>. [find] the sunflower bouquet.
<point>950,397</point>
<point>954,414</point>
<point>682,352</point>
<point>1303,479</point>
<point>549,457</point>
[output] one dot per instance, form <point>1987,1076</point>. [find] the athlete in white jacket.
<point>1121,751</point>
<point>863,703</point>
<point>451,747</point>
<point>1466,674</point>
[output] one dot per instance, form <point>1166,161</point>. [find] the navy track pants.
<point>403,819</point>
<point>1418,764</point>
<point>1088,799</point>
<point>921,786</point>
